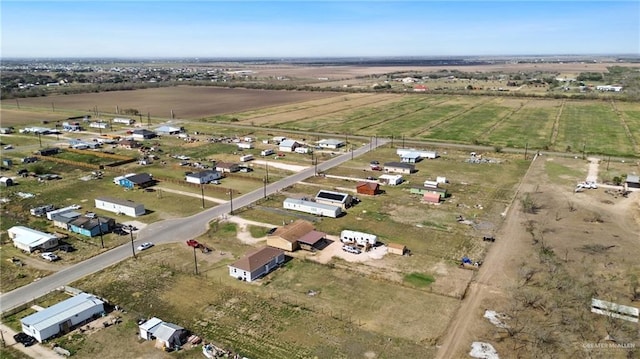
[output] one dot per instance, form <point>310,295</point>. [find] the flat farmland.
<point>186,102</point>
<point>533,124</point>
<point>594,126</point>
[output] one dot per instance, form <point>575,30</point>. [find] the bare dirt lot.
<point>588,239</point>
<point>186,102</point>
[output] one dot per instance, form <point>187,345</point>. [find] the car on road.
<point>145,245</point>
<point>8,147</point>
<point>50,256</point>
<point>25,339</point>
<point>351,249</point>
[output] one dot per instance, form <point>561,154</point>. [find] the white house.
<point>168,130</point>
<point>59,211</point>
<point>319,209</point>
<point>410,157</point>
<point>117,179</point>
<point>392,180</point>
<point>101,125</point>
<point>288,145</point>
<point>203,176</point>
<point>267,152</point>
<point>256,263</point>
<point>360,238</point>
<point>120,206</point>
<point>62,317</point>
<point>169,335</point>
<point>29,240</point>
<point>330,143</point>
<point>302,149</point>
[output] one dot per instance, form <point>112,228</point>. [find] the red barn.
<point>369,188</point>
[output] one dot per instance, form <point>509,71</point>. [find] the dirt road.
<point>492,279</point>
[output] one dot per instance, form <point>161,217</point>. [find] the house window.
<point>234,270</point>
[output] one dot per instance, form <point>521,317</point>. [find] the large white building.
<point>120,206</point>
<point>29,240</point>
<point>361,238</point>
<point>205,176</point>
<point>62,317</point>
<point>318,209</point>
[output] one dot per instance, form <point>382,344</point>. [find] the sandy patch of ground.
<point>281,165</point>
<point>243,232</point>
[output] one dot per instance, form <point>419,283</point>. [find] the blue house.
<point>92,227</point>
<point>141,180</point>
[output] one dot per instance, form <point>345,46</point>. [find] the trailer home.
<point>360,238</point>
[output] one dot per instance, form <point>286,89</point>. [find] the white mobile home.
<point>361,238</point>
<point>62,317</point>
<point>120,206</point>
<point>331,143</point>
<point>246,158</point>
<point>59,211</point>
<point>319,209</point>
<point>422,153</point>
<point>29,240</point>
<point>126,121</point>
<point>391,180</point>
<point>267,152</point>
<point>203,176</point>
<point>245,145</point>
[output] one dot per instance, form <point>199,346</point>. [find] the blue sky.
<point>316,28</point>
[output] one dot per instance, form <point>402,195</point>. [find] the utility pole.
<point>101,238</point>
<point>264,183</point>
<point>148,118</point>
<point>608,161</point>
<point>195,260</point>
<point>526,147</point>
<point>133,249</point>
<point>18,104</point>
<point>40,139</point>
<point>53,107</point>
<point>584,145</point>
<point>231,201</point>
<point>266,167</point>
<point>201,191</point>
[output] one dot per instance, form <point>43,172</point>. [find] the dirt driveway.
<point>35,351</point>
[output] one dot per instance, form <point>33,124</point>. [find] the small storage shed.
<point>633,181</point>
<point>148,328</point>
<point>431,197</point>
<point>396,248</point>
<point>169,335</point>
<point>368,188</point>
<point>62,317</point>
<point>288,145</point>
<point>391,180</point>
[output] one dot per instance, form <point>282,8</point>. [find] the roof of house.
<point>429,196</point>
<point>150,324</point>
<point>311,204</point>
<point>89,223</point>
<point>65,217</point>
<point>633,179</point>
<point>225,164</point>
<point>202,174</point>
<point>371,185</point>
<point>122,202</point>
<point>411,155</point>
<point>139,178</point>
<point>168,129</point>
<point>333,196</point>
<point>62,311</point>
<point>257,258</point>
<point>166,330</point>
<point>288,143</point>
<point>292,232</point>
<point>30,237</point>
<point>312,237</point>
<point>399,165</point>
<point>143,131</point>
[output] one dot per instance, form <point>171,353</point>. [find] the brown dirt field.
<point>15,117</point>
<point>346,72</point>
<point>186,102</point>
<point>566,232</point>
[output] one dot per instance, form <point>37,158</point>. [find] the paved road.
<point>173,230</point>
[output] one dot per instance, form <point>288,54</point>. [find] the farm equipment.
<point>467,263</point>
<point>195,244</point>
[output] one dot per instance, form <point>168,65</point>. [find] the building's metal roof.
<point>301,202</point>
<point>62,311</point>
<point>122,202</point>
<point>151,325</point>
<point>633,179</point>
<point>30,237</point>
<point>333,196</point>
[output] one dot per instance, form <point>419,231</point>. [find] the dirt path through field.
<point>592,173</point>
<point>494,277</point>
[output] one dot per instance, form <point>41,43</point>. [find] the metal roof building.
<point>319,209</point>
<point>62,317</point>
<point>28,239</point>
